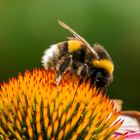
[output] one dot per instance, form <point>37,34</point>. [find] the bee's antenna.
<point>78,37</point>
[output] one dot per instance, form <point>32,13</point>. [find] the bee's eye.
<point>99,76</point>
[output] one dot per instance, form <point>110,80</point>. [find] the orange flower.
<point>34,107</point>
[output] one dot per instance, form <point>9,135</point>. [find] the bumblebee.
<point>77,55</point>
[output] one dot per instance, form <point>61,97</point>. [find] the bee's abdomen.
<point>70,46</point>
<point>53,54</point>
<point>74,45</point>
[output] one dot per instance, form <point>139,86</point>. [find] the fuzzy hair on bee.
<point>77,55</point>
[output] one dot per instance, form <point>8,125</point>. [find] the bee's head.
<point>101,71</point>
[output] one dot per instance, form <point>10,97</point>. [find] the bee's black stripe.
<point>63,47</point>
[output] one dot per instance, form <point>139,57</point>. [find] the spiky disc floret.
<point>34,107</point>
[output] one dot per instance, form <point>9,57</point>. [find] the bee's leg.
<point>62,66</point>
<point>82,70</point>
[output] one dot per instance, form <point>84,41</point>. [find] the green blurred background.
<point>29,27</point>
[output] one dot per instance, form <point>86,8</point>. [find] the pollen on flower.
<point>32,106</point>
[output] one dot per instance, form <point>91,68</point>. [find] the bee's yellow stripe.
<point>105,64</point>
<point>74,45</point>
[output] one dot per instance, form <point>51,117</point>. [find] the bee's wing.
<point>79,38</point>
<point>72,38</point>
